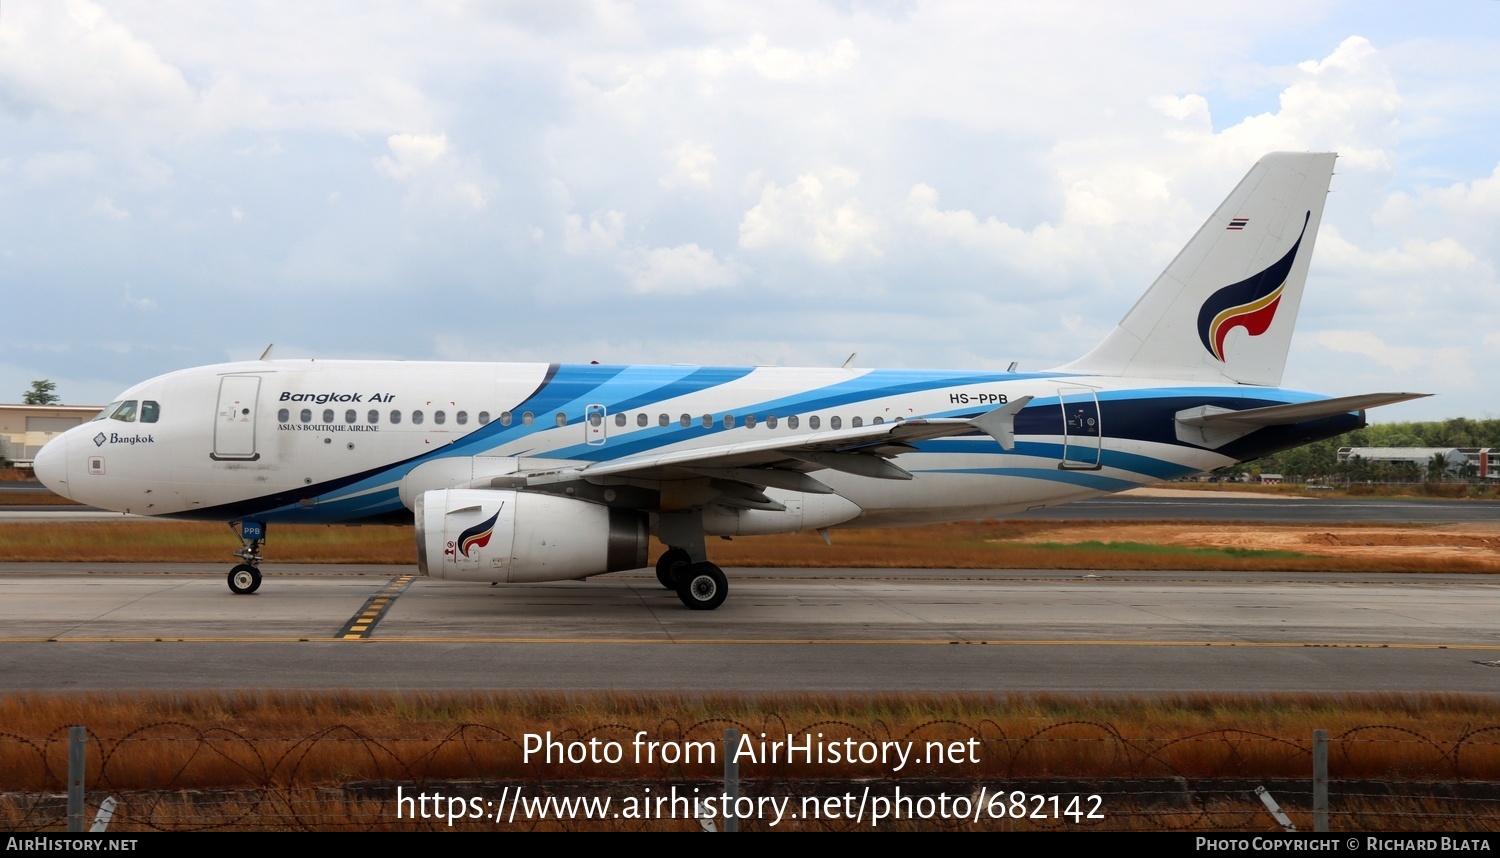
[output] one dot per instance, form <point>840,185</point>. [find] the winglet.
<point>1000,424</point>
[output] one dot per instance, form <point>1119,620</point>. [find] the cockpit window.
<point>125,411</point>
<point>150,411</point>
<point>107,411</point>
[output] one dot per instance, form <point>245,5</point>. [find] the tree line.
<point>1319,460</point>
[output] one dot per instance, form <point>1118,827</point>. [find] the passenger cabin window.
<point>879,421</point>
<point>663,421</point>
<point>641,420</point>
<point>462,418</point>
<point>708,421</point>
<point>770,421</point>
<point>416,418</point>
<point>106,411</point>
<point>527,418</point>
<point>620,419</point>
<point>791,422</point>
<point>328,415</point>
<point>373,416</point>
<point>395,417</point>
<point>728,421</point>
<point>306,415</point>
<point>150,411</point>
<point>749,421</point>
<point>561,419</point>
<point>686,421</point>
<point>857,422</point>
<point>835,422</point>
<point>439,418</point>
<point>350,416</point>
<point>283,416</point>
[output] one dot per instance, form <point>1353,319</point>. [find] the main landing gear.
<point>684,566</point>
<point>245,578</point>
<point>701,586</point>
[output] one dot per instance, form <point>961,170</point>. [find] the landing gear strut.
<point>245,578</point>
<point>684,566</point>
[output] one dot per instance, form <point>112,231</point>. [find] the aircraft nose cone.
<point>51,465</point>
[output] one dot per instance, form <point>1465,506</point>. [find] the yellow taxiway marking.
<point>362,623</point>
<point>759,641</point>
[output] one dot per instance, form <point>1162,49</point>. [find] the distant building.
<point>1486,461</point>
<point>1456,459</point>
<point>25,428</point>
<point>1271,479</point>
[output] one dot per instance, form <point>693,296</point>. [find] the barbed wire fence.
<point>1074,775</point>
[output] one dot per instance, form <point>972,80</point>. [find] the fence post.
<point>1320,781</point>
<point>76,738</point>
<point>731,778</point>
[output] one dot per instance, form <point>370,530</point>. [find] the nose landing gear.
<point>245,578</point>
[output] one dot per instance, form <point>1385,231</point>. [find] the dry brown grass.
<point>158,541</point>
<point>329,761</point>
<point>966,545</point>
<point>221,739</point>
<point>42,498</point>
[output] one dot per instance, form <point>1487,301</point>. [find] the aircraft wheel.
<point>672,563</point>
<point>702,587</point>
<point>244,579</point>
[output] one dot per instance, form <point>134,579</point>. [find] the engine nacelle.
<point>802,512</point>
<point>503,536</point>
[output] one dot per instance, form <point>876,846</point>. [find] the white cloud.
<point>51,167</point>
<point>134,303</point>
<point>1041,252</point>
<point>106,207</point>
<point>823,220</point>
<point>679,271</point>
<point>1414,256</point>
<point>692,166</point>
<point>604,233</point>
<point>414,153</point>
<point>984,163</point>
<point>425,163</point>
<point>1347,102</point>
<point>1368,345</point>
<point>780,64</point>
<point>73,58</point>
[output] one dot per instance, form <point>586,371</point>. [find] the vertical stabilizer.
<point>1225,308</point>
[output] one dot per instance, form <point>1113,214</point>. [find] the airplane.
<point>530,472</point>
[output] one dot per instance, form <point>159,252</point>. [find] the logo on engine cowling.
<point>477,536</point>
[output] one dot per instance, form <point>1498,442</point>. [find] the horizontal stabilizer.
<point>1212,426</point>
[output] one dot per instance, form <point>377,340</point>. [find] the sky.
<point>926,184</point>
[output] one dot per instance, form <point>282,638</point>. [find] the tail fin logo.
<point>1250,304</point>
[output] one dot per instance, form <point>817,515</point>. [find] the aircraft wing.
<point>783,462</point>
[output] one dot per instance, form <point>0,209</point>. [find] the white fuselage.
<point>330,441</point>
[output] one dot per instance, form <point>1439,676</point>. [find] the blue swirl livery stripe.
<point>872,385</point>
